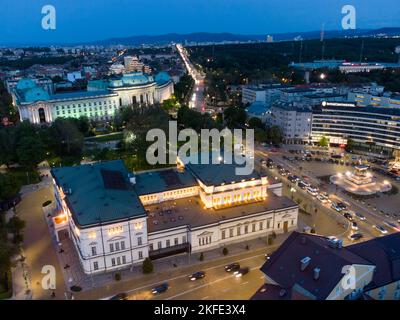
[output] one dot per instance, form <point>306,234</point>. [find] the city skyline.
<point>79,22</point>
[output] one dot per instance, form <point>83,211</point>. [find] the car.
<point>120,296</point>
<point>356,236</point>
<point>392,225</point>
<point>348,216</point>
<point>292,179</point>
<point>301,185</point>
<point>241,272</point>
<point>267,256</point>
<point>354,226</point>
<point>322,198</point>
<point>283,172</point>
<point>360,216</point>
<point>279,167</point>
<point>342,205</point>
<point>336,207</point>
<point>197,275</point>
<point>232,267</point>
<point>380,229</point>
<point>313,191</point>
<point>160,288</point>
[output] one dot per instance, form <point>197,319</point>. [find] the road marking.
<point>202,286</point>
<point>185,276</point>
<point>204,298</point>
<point>244,283</point>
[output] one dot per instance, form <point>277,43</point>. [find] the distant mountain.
<point>201,37</point>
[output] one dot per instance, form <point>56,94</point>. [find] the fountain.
<point>360,181</point>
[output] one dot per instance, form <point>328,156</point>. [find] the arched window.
<point>42,115</point>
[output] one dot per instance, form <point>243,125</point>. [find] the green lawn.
<point>109,137</point>
<point>24,176</point>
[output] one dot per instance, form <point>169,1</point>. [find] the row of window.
<point>116,246</point>
<point>237,197</point>
<point>117,261</point>
<point>89,104</point>
<point>170,194</point>
<point>167,243</point>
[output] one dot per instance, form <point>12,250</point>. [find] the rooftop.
<point>163,180</point>
<point>190,212</point>
<point>284,265</point>
<point>98,193</point>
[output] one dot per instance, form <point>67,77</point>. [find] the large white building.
<point>116,219</point>
<point>294,120</point>
<point>99,102</point>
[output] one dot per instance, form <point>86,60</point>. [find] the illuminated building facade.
<point>100,102</point>
<point>116,219</point>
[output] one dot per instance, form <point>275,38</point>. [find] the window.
<point>113,262</point>
<point>183,239</point>
<point>176,241</point>
<point>223,234</point>
<point>117,246</point>
<point>95,265</point>
<point>94,251</point>
<point>159,245</point>
<point>279,225</point>
<point>168,243</point>
<point>151,248</point>
<point>140,254</point>
<point>238,231</point>
<point>246,229</point>
<point>231,232</point>
<point>261,224</point>
<point>118,260</point>
<point>111,247</point>
<point>139,241</point>
<point>123,259</point>
<point>253,227</point>
<point>122,245</point>
<point>268,223</point>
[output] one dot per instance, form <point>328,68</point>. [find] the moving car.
<point>392,225</point>
<point>241,272</point>
<point>356,236</point>
<point>380,229</point>
<point>292,179</point>
<point>354,226</point>
<point>197,275</point>
<point>267,256</point>
<point>321,197</point>
<point>360,216</point>
<point>160,288</point>
<point>342,205</point>
<point>232,267</point>
<point>301,185</point>
<point>120,296</point>
<point>348,216</point>
<point>336,207</point>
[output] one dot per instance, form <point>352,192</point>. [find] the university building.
<point>99,102</point>
<point>116,218</point>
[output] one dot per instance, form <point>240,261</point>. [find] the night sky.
<point>89,20</point>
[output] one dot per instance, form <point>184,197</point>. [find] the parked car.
<point>322,198</point>
<point>313,191</point>
<point>292,179</point>
<point>356,236</point>
<point>354,226</point>
<point>342,205</point>
<point>380,229</point>
<point>241,272</point>
<point>392,225</point>
<point>197,275</point>
<point>120,296</point>
<point>232,267</point>
<point>301,185</point>
<point>360,216</point>
<point>336,207</point>
<point>160,288</point>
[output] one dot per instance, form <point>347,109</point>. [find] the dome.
<point>36,94</point>
<point>25,83</point>
<point>135,79</point>
<point>162,77</point>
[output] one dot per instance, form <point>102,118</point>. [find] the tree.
<point>275,134</point>
<point>8,141</point>
<point>201,257</point>
<point>9,186</point>
<point>15,225</point>
<point>255,123</point>
<point>260,135</point>
<point>350,145</point>
<point>323,142</point>
<point>147,266</point>
<point>30,152</point>
<point>6,252</point>
<point>225,251</point>
<point>235,116</point>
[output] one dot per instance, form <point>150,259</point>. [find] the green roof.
<point>163,180</point>
<point>99,193</point>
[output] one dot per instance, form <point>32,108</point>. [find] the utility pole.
<point>362,51</point>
